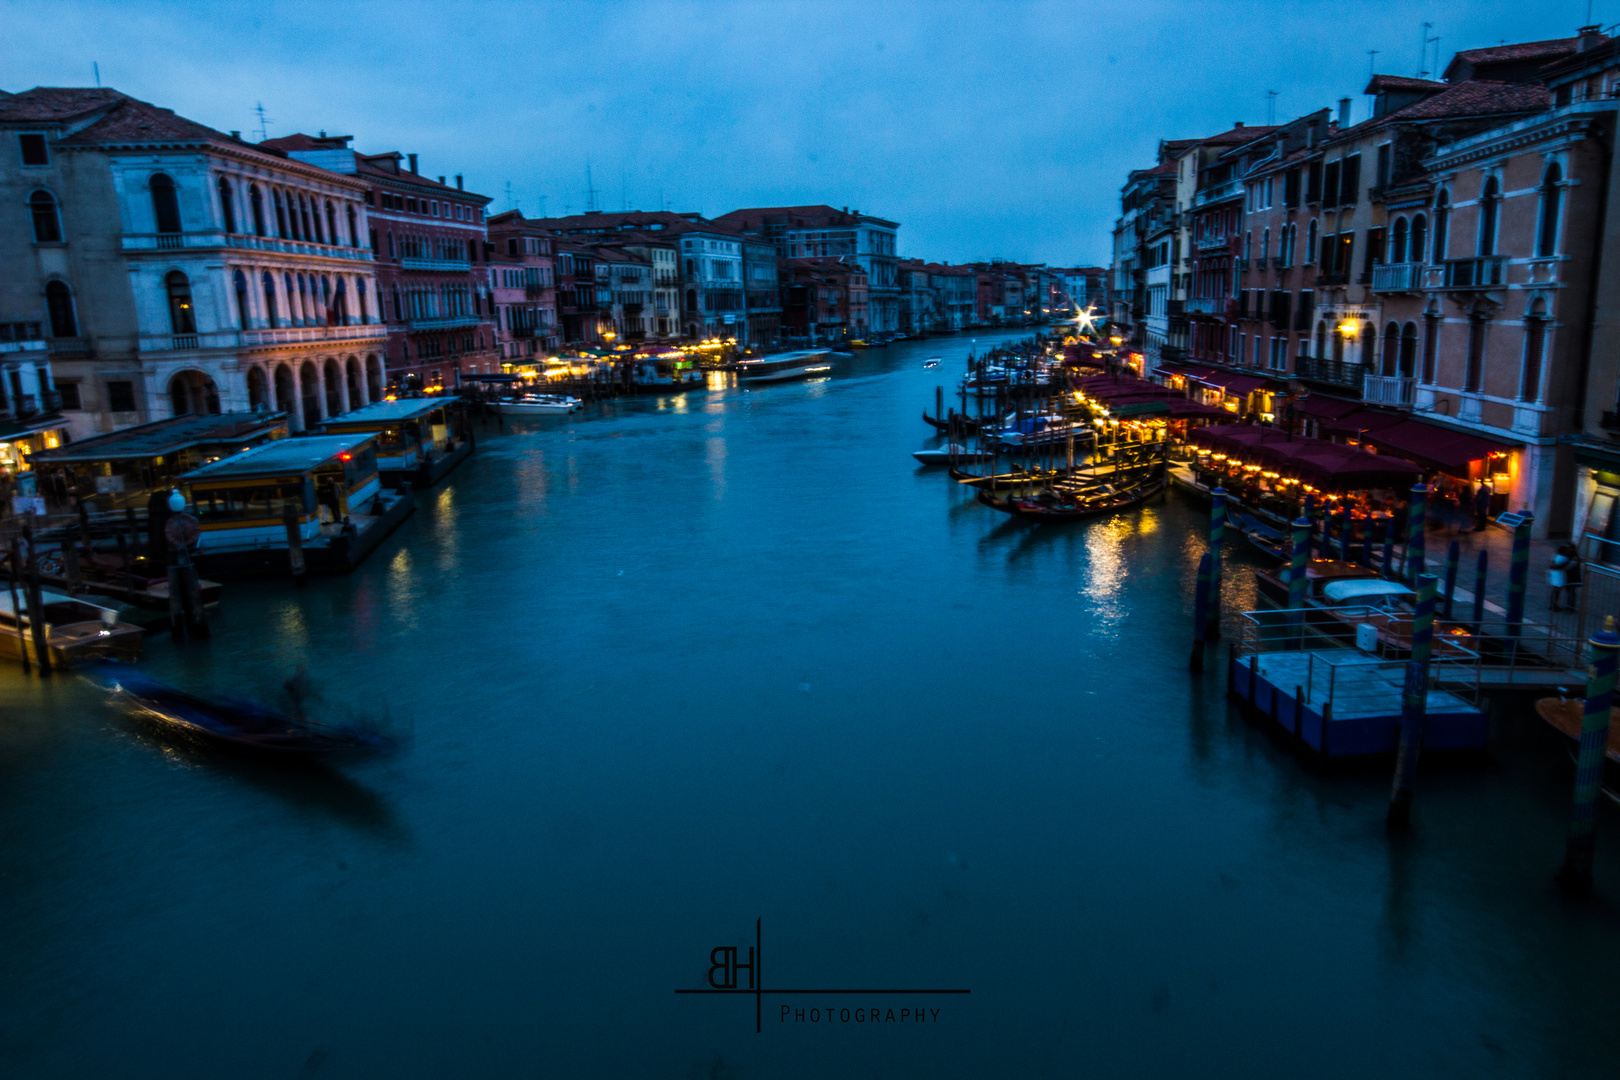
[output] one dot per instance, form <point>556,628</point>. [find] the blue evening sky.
<point>986,129</point>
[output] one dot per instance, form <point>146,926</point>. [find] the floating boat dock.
<point>417,439</point>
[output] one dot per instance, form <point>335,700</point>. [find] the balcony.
<point>1487,272</point>
<point>1389,390</point>
<point>235,339</point>
<point>534,292</point>
<point>453,266</point>
<point>218,238</point>
<point>444,324</point>
<point>1214,244</point>
<point>1328,281</point>
<point>1206,305</point>
<point>32,345</point>
<point>1397,277</point>
<point>1232,189</point>
<point>70,347</point>
<point>1331,372</point>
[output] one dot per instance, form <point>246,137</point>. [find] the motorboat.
<point>535,404</point>
<point>947,455</point>
<point>76,630</point>
<point>782,367</point>
<point>238,724</point>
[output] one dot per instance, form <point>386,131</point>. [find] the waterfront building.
<point>429,242</point>
<point>822,231</point>
<point>957,290</point>
<point>578,309</point>
<point>918,298</point>
<point>175,269</point>
<point>624,291</point>
<point>762,298</point>
<point>824,299</point>
<point>523,284</point>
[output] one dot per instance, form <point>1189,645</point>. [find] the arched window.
<point>1431,344</point>
<point>1248,245</point>
<point>59,306</point>
<point>303,215</point>
<point>331,225</point>
<point>1392,344</point>
<point>1474,372</point>
<point>360,300</point>
<point>340,304</point>
<point>293,316</point>
<point>256,204</point>
<point>354,229</point>
<point>182,317</point>
<point>243,314</point>
<point>391,252</point>
<point>47,226</point>
<point>1442,223</point>
<point>691,298</point>
<point>1369,344</point>
<point>1338,347</point>
<point>1397,242</point>
<point>258,389</point>
<point>1265,244</point>
<point>1551,200</point>
<point>1408,350</point>
<point>304,309</point>
<point>1420,236</point>
<point>318,233</point>
<point>227,204</point>
<point>1310,244</point>
<point>399,306</point>
<point>326,298</point>
<point>165,204</point>
<point>270,300</point>
<point>281,213</point>
<point>1490,204</point>
<point>1535,347</point>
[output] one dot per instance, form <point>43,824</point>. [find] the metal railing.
<point>1336,372</point>
<point>1397,277</point>
<point>1489,271</point>
<point>1388,390</point>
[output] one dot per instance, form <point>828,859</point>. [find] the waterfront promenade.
<point>672,665</point>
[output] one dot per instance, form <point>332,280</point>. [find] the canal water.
<point>674,669</point>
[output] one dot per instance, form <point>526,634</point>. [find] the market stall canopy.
<point>1440,448</point>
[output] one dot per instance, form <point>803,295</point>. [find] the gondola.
<point>967,423</point>
<point>240,725</point>
<point>1103,503</point>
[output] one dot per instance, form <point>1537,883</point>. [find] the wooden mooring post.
<point>1414,704</point>
<point>1299,558</point>
<point>36,606</point>
<point>1519,574</point>
<point>1416,519</point>
<point>1576,873</point>
<point>1217,541</point>
<point>295,545</point>
<point>16,609</point>
<point>1453,555</point>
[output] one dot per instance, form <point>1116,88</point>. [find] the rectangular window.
<point>1350,181</point>
<point>1313,182</point>
<point>121,397</point>
<point>1346,257</point>
<point>1382,179</point>
<point>33,150</point>
<point>1330,184</point>
<point>1475,370</point>
<point>70,395</point>
<point>1291,188</point>
<point>1375,250</point>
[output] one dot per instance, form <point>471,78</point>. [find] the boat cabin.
<point>800,364</point>
<point>124,467</point>
<point>409,432</point>
<point>240,500</point>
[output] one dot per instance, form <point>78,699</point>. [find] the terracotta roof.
<point>133,121</point>
<point>365,165</point>
<point>1401,82</point>
<point>1524,50</point>
<point>55,103</point>
<point>300,141</point>
<point>817,216</point>
<point>638,221</point>
<point>1473,97</point>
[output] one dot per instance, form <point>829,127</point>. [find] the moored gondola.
<point>1107,500</point>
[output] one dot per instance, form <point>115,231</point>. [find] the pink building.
<point>523,282</point>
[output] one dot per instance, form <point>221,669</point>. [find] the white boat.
<point>530,404</point>
<point>945,455</point>
<point>931,362</point>
<point>802,364</point>
<point>76,630</point>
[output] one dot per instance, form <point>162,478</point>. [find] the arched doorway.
<point>258,388</point>
<point>374,379</point>
<point>309,380</point>
<point>286,390</point>
<point>351,379</point>
<point>191,391</point>
<point>334,389</point>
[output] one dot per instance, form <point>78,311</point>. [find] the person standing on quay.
<point>1482,507</point>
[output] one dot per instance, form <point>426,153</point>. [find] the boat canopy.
<point>382,413</point>
<point>1340,591</point>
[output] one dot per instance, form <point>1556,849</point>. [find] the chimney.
<point>237,135</point>
<point>1590,36</point>
<point>459,186</point>
<point>1237,124</point>
<point>1311,135</point>
<point>412,158</point>
<point>1344,113</point>
<point>441,179</point>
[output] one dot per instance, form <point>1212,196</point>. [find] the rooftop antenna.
<point>624,189</point>
<point>542,205</point>
<point>264,121</point>
<point>590,190</point>
<point>1372,70</point>
<point>1271,108</point>
<point>1423,50</point>
<point>96,67</point>
<point>511,200</point>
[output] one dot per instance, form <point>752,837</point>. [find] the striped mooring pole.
<point>1217,542</point>
<point>1366,542</point>
<point>1299,557</point>
<point>1453,555</point>
<point>1344,536</point>
<point>1577,870</point>
<point>1414,702</point>
<point>1519,574</point>
<point>1389,549</point>
<point>1201,593</point>
<point>1480,569</point>
<point>1416,518</point>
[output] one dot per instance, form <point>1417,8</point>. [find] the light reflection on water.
<point>671,669</point>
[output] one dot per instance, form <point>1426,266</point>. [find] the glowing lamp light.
<point>1348,327</point>
<point>345,456</point>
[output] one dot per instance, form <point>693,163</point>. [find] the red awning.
<point>1324,408</point>
<point>1364,420</point>
<point>1435,446</point>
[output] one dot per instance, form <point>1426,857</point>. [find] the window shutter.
<point>1350,180</point>
<point>1291,188</point>
<point>1330,184</point>
<point>1375,249</point>
<point>1313,182</point>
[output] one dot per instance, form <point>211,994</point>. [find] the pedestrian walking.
<point>1558,576</point>
<point>1482,507</point>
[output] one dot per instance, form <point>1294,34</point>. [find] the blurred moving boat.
<point>530,404</point>
<point>931,362</point>
<point>243,725</point>
<point>75,631</point>
<point>800,364</point>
